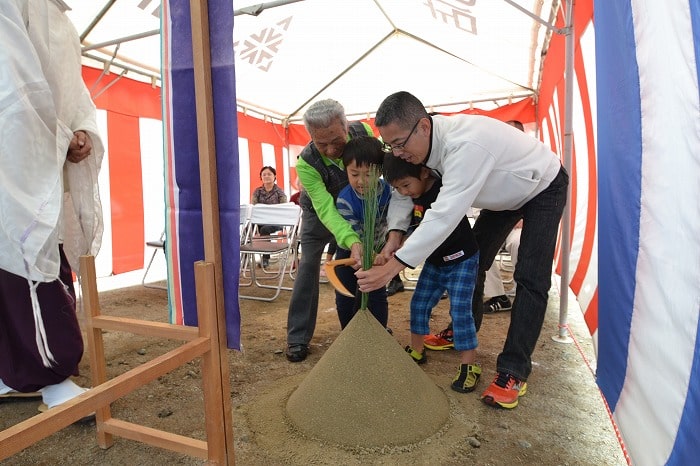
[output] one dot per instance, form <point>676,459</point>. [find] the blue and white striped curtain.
<point>649,236</point>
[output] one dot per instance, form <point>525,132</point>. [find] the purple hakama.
<point>21,367</point>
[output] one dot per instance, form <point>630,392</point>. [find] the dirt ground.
<point>561,421</point>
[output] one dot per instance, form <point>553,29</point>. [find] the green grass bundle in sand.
<point>366,390</point>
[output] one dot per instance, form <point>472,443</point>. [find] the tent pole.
<point>562,335</point>
<point>121,40</point>
<point>255,10</point>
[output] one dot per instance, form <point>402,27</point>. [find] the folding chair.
<point>281,246</point>
<point>158,245</point>
<point>244,217</point>
<point>243,231</point>
<point>410,277</point>
<point>294,265</point>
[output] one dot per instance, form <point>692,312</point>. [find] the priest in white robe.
<point>50,211</point>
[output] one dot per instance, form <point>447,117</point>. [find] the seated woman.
<point>268,193</point>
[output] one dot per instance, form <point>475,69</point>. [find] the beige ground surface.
<point>561,421</point>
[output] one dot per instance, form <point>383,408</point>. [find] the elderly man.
<point>509,175</point>
<point>320,169</point>
<point>50,207</point>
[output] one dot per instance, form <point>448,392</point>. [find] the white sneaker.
<point>54,395</point>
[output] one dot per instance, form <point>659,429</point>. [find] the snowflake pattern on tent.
<point>260,49</point>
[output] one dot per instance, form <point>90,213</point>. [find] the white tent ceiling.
<point>450,53</point>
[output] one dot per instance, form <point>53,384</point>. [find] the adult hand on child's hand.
<point>378,276</point>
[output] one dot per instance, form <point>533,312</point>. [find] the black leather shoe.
<point>394,286</point>
<point>296,353</point>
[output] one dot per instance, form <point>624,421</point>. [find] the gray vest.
<point>333,177</point>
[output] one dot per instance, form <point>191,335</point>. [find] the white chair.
<point>243,231</point>
<point>410,277</point>
<point>294,265</point>
<point>158,245</point>
<point>244,217</point>
<point>280,246</point>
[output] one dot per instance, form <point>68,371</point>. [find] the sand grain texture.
<point>367,391</point>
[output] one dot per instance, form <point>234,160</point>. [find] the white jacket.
<point>484,163</point>
<point>43,100</point>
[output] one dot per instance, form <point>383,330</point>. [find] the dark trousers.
<point>347,307</point>
<point>533,273</point>
<point>303,304</point>
<point>20,363</point>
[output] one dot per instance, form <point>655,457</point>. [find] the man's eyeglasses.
<point>400,146</point>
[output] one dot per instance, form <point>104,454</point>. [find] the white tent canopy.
<point>450,53</point>
<point>123,37</point>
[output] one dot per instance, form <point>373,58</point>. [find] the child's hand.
<point>393,243</point>
<point>356,253</point>
<point>380,260</point>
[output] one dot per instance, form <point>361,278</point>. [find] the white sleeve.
<point>33,148</point>
<point>82,208</point>
<point>466,167</point>
<point>400,212</point>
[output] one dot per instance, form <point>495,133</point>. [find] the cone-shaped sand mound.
<point>366,391</point>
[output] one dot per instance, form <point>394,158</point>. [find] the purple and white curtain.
<point>649,235</point>
<point>184,242</point>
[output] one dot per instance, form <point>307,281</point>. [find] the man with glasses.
<point>487,164</point>
<point>399,146</point>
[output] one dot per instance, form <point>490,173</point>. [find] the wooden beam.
<point>157,438</point>
<point>204,102</point>
<point>144,327</point>
<point>215,371</point>
<point>26,433</point>
<point>96,349</point>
